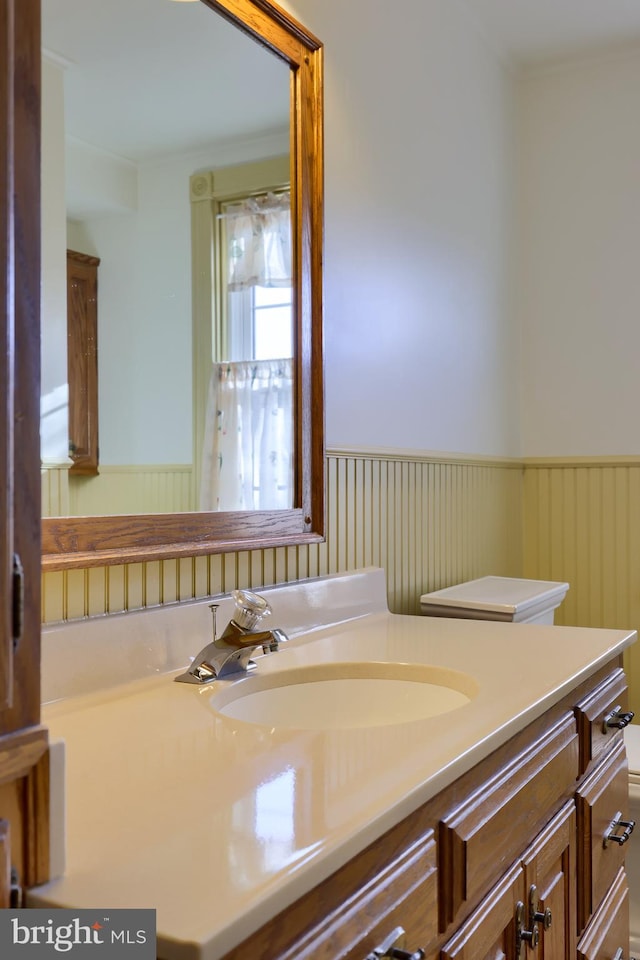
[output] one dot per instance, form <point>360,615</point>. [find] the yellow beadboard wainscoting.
<point>144,488</point>
<point>430,520</point>
<point>582,525</point>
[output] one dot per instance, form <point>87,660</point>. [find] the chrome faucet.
<point>231,652</point>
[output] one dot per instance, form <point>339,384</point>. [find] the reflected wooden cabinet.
<point>24,820</point>
<point>82,361</point>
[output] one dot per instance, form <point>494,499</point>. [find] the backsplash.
<point>429,521</point>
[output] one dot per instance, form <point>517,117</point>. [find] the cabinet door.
<point>24,757</point>
<point>6,352</point>
<point>607,935</point>
<point>550,869</point>
<point>20,364</point>
<point>490,931</point>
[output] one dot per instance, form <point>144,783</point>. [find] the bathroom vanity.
<point>508,858</point>
<point>497,822</point>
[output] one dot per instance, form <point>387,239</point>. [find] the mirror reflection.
<point>166,171</point>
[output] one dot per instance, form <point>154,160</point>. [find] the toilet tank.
<point>497,598</point>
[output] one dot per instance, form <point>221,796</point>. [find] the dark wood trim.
<point>24,791</point>
<point>25,711</point>
<point>21,751</point>
<point>83,258</point>
<point>20,363</point>
<point>5,864</point>
<point>36,834</point>
<point>270,25</point>
<point>6,349</point>
<point>70,545</point>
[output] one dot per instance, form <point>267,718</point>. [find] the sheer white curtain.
<point>259,242</point>
<point>248,444</point>
<point>247,461</point>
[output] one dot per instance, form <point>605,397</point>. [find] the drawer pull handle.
<point>617,719</point>
<point>619,954</point>
<point>535,914</point>
<point>388,949</point>
<point>532,937</point>
<point>611,836</point>
<point>406,955</point>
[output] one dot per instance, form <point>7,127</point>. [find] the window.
<point>244,337</point>
<point>255,291</point>
<point>259,323</point>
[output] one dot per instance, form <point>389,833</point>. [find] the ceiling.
<point>145,78</point>
<point>533,30</point>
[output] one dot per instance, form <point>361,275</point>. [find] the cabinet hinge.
<point>17,600</point>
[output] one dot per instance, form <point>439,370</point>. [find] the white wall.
<point>419,347</point>
<point>144,324</point>
<point>579,265</point>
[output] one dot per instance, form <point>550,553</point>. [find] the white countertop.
<point>220,824</point>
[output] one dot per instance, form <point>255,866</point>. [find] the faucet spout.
<point>231,652</point>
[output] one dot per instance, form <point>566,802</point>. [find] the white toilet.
<point>632,742</point>
<point>497,598</point>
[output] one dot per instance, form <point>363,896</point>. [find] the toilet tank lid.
<point>508,594</point>
<point>632,743</point>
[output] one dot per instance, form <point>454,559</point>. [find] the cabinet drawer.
<point>341,920</point>
<point>602,798</point>
<point>603,706</point>
<point>608,931</point>
<point>482,836</point>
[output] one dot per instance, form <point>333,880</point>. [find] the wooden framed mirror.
<point>86,541</point>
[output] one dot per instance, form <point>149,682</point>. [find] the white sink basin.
<point>344,695</point>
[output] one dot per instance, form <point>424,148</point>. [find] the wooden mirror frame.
<point>98,541</point>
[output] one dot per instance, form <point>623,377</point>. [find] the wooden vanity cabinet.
<point>24,820</point>
<point>509,861</point>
